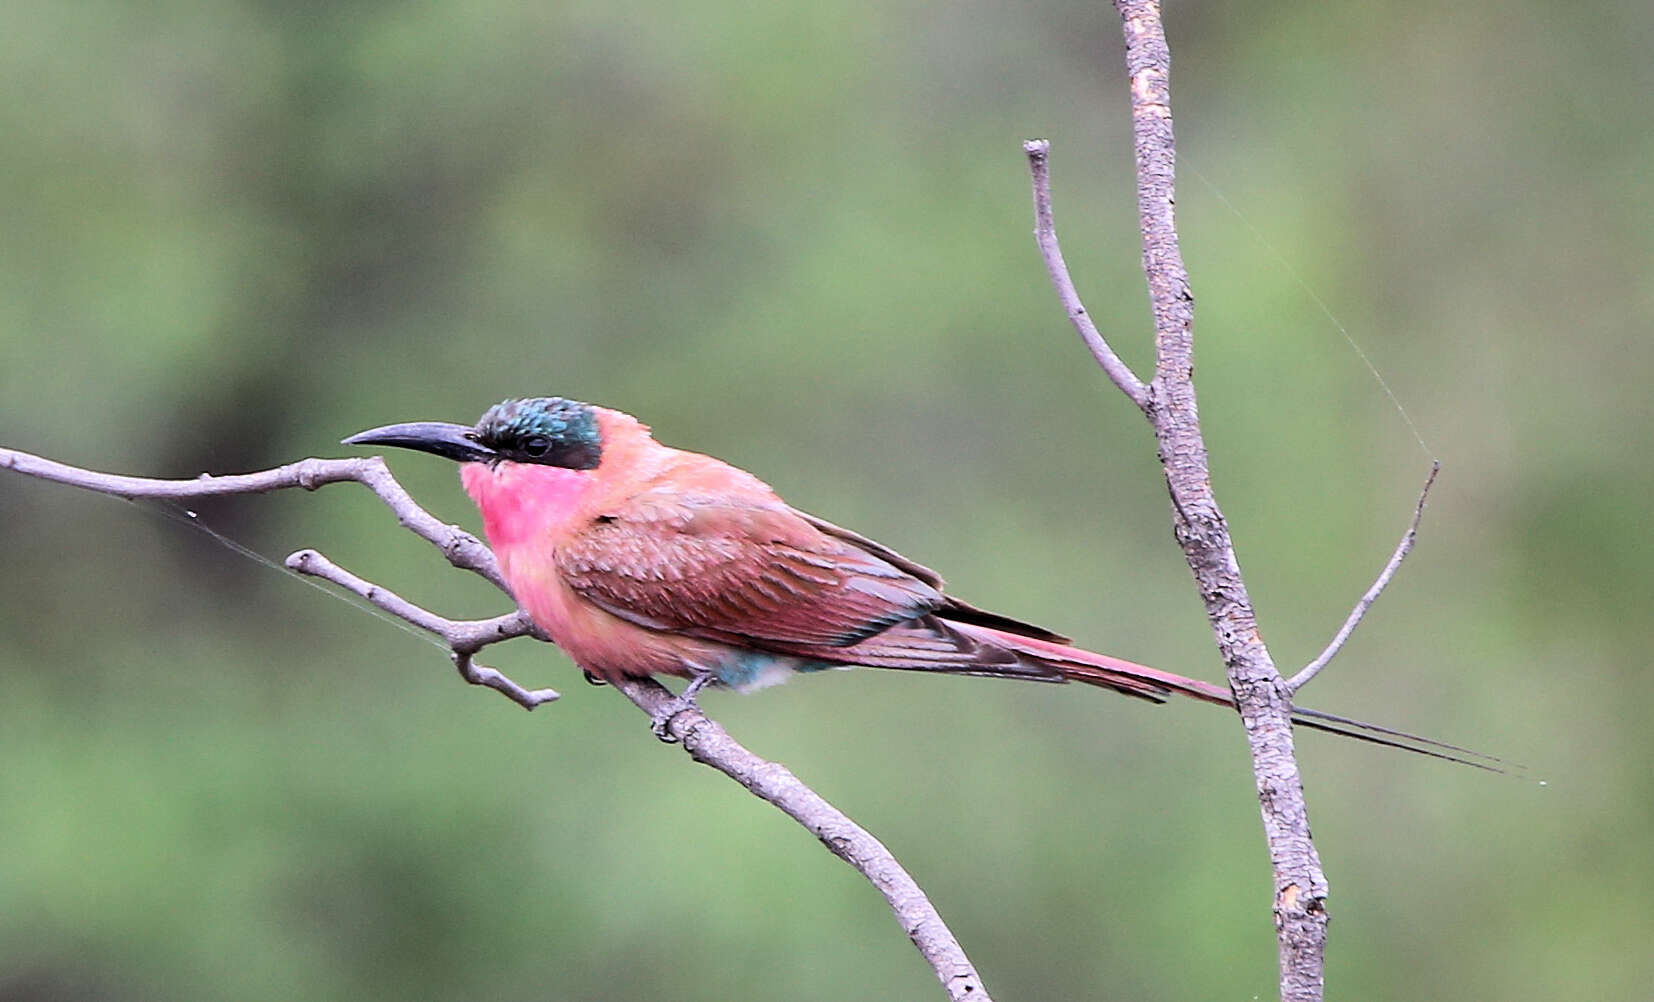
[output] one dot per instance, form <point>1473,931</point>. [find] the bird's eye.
<point>536,445</point>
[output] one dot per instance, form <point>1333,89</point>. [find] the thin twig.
<point>462,549</point>
<point>464,637</point>
<point>1403,548</point>
<point>702,738</point>
<point>1045,233</point>
<point>709,743</point>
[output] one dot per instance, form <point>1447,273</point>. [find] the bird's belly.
<point>612,648</point>
<point>598,641</point>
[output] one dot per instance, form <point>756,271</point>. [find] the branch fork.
<point>1262,696</point>
<point>702,737</point>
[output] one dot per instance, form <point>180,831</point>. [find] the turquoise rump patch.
<point>756,669</point>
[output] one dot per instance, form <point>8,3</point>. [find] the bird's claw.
<point>660,719</point>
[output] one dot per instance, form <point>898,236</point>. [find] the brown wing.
<point>954,609</point>
<point>743,571</point>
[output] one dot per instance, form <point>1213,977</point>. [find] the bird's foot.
<point>660,719</point>
<point>592,679</point>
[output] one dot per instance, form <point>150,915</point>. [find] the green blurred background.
<point>797,236</point>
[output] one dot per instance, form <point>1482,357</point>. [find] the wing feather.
<point>955,609</point>
<point>745,571</point>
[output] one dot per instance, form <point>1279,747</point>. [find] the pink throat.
<point>521,502</point>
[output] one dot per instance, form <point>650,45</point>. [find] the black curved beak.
<point>454,441</point>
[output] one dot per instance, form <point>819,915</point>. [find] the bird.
<point>641,560</point>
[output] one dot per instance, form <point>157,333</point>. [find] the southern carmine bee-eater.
<point>638,559</point>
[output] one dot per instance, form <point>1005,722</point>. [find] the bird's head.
<point>547,431</point>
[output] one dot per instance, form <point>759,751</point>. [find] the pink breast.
<point>526,509</point>
<point>524,502</point>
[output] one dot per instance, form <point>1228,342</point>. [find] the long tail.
<point>1077,665</point>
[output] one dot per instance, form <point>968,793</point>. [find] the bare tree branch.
<point>1045,233</point>
<point>1360,611</point>
<point>702,737</point>
<point>464,637</point>
<point>708,742</point>
<point>1262,696</point>
<point>462,549</point>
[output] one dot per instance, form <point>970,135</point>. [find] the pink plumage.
<point>641,560</point>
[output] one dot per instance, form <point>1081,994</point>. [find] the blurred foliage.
<point>796,236</point>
